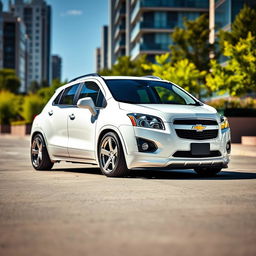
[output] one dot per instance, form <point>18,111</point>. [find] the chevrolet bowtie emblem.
<point>198,127</point>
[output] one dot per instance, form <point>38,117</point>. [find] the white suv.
<point>121,123</point>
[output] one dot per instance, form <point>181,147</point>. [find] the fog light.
<point>144,146</point>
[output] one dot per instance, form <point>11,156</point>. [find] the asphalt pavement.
<point>74,210</point>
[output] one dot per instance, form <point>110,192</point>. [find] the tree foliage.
<point>183,72</point>
<point>244,23</point>
<point>32,106</point>
<point>192,43</point>
<point>9,107</point>
<point>45,93</point>
<point>238,76</point>
<point>127,67</point>
<point>9,80</point>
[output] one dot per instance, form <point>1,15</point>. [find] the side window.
<point>68,95</point>
<point>56,100</point>
<point>91,89</point>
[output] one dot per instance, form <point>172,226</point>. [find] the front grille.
<point>195,135</point>
<point>195,121</point>
<point>213,153</point>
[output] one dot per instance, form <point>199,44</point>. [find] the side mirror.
<point>88,104</point>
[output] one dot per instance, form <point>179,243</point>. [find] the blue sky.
<point>76,32</point>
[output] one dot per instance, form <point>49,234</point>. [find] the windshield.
<point>148,92</point>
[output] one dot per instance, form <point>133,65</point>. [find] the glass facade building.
<point>14,47</point>
<point>144,26</point>
<point>37,18</point>
<point>56,67</point>
<point>226,11</point>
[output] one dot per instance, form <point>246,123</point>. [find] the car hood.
<point>169,112</point>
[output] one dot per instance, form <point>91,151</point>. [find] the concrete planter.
<point>249,140</point>
<point>21,130</point>
<point>242,126</point>
<point>5,128</point>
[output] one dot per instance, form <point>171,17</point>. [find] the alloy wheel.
<point>37,151</point>
<point>108,154</point>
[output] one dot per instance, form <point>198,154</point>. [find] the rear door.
<point>56,127</point>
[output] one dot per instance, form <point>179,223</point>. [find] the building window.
<point>160,19</point>
<point>163,40</point>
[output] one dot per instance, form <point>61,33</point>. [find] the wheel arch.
<point>105,130</point>
<point>35,132</point>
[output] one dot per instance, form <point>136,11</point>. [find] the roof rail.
<point>154,77</point>
<point>92,74</point>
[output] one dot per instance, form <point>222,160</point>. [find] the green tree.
<point>238,76</point>
<point>45,93</point>
<point>192,43</point>
<point>244,23</point>
<point>32,106</point>
<point>9,80</point>
<point>183,72</point>
<point>9,107</point>
<point>33,87</point>
<point>126,67</point>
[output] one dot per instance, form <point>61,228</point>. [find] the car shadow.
<point>169,174</point>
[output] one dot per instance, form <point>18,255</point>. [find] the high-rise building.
<point>14,47</point>
<point>37,17</point>
<point>56,67</point>
<point>1,34</point>
<point>144,26</point>
<point>117,29</point>
<point>223,13</point>
<point>97,59</point>
<point>104,47</point>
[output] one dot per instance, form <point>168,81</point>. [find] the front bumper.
<point>168,143</point>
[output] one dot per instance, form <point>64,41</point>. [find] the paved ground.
<point>74,210</point>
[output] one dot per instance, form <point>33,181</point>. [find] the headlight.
<point>224,123</point>
<point>146,121</point>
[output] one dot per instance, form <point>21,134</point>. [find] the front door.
<point>82,125</point>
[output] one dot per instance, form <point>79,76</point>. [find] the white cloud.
<point>72,13</point>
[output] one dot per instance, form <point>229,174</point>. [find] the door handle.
<point>72,116</point>
<point>50,112</point>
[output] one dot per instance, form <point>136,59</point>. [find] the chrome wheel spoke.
<point>110,144</point>
<point>105,152</point>
<point>40,157</point>
<point>35,151</point>
<point>107,164</point>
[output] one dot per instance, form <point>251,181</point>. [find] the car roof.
<point>133,77</point>
<point>95,76</point>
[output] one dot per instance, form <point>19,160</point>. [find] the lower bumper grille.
<point>194,135</point>
<point>213,153</point>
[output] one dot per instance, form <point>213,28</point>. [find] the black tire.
<point>111,160</point>
<point>39,155</point>
<point>208,172</point>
